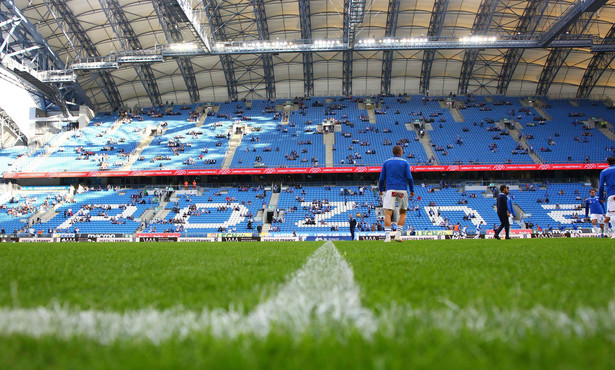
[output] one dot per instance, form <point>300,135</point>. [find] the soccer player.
<point>594,207</point>
<point>395,178</point>
<point>478,230</point>
<point>503,213</point>
<point>607,176</point>
<point>511,209</point>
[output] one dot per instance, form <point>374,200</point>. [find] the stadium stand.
<point>8,156</point>
<point>300,209</point>
<point>279,133</point>
<point>216,210</point>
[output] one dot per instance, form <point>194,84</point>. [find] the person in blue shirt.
<point>511,209</point>
<point>503,212</point>
<point>595,209</point>
<point>479,226</point>
<point>607,180</point>
<point>395,179</point>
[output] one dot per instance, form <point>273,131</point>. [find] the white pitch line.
<point>322,294</point>
<point>321,297</point>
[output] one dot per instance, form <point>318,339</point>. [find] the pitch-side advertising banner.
<point>307,170</point>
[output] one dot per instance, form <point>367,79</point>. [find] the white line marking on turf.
<point>321,297</point>
<point>322,294</point>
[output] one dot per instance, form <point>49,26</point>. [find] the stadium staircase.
<point>607,131</point>
<point>329,141</point>
<point>273,204</point>
<point>147,139</point>
<point>52,147</point>
<point>116,125</point>
<point>457,116</point>
<point>370,112</point>
<point>425,141</point>
<point>538,106</point>
<point>233,144</point>
<point>514,134</point>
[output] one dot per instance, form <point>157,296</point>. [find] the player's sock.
<point>387,233</point>
<point>596,230</point>
<point>398,233</point>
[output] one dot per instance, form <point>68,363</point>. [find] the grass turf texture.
<point>439,280</point>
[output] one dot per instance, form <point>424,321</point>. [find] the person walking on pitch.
<point>503,213</point>
<point>395,179</point>
<point>607,178</point>
<point>594,210</point>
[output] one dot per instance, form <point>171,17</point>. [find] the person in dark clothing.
<point>353,225</point>
<point>503,212</point>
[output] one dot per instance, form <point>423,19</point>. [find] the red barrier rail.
<point>308,170</point>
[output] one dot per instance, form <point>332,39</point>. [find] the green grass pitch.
<point>518,304</point>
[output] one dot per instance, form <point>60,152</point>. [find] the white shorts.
<point>610,207</point>
<point>391,197</point>
<point>598,217</point>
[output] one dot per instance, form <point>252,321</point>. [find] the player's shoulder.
<point>608,170</point>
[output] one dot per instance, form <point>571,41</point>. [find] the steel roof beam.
<point>48,54</point>
<point>387,55</point>
<point>263,32</point>
<point>169,21</point>
<point>129,40</point>
<point>527,25</point>
<point>83,44</point>
<point>598,64</point>
<point>557,56</point>
<point>435,28</point>
<point>480,27</point>
<point>305,17</point>
<point>569,17</point>
<point>347,54</point>
<point>182,11</point>
<point>218,33</point>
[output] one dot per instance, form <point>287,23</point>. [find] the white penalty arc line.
<point>321,297</point>
<point>321,294</point>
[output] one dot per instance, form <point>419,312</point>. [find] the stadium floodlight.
<point>478,39</point>
<point>184,46</point>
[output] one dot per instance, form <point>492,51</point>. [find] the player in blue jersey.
<point>479,226</point>
<point>395,178</point>
<point>511,210</point>
<point>607,179</point>
<point>595,209</point>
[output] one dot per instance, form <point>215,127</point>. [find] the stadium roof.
<point>355,31</point>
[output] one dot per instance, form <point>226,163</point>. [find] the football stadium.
<point>379,184</point>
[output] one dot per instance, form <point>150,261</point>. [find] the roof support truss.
<point>435,27</point>
<point>347,55</point>
<point>557,56</point>
<point>306,34</point>
<point>387,55</point>
<point>263,33</point>
<point>598,64</point>
<point>41,57</point>
<point>527,25</point>
<point>129,40</point>
<point>170,26</point>
<point>83,46</point>
<point>480,27</point>
<point>219,34</point>
<point>569,17</point>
